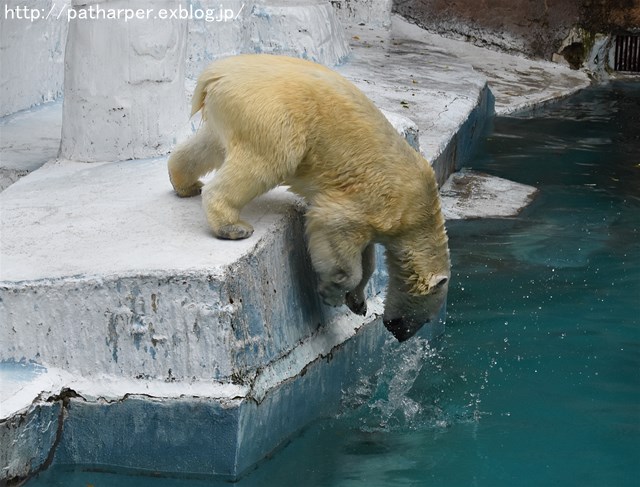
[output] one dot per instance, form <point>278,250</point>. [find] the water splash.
<point>411,390</point>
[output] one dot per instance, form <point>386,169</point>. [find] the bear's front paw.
<point>356,304</point>
<point>332,295</point>
<point>193,190</point>
<point>234,231</point>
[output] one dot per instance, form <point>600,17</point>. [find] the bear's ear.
<point>437,281</point>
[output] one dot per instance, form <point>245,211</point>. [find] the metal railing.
<point>627,53</point>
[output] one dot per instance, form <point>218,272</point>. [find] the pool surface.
<point>537,379</point>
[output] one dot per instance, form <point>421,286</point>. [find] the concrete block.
<point>302,28</point>
<point>194,435</point>
<point>29,423</point>
<point>28,440</point>
<point>124,82</point>
<point>166,299</point>
<point>307,29</point>
<point>468,194</point>
<point>460,149</point>
<point>200,429</point>
<point>141,307</point>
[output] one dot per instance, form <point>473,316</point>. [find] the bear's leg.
<point>336,253</point>
<point>241,178</point>
<point>355,299</point>
<point>193,159</point>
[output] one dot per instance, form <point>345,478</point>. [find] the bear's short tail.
<point>202,89</point>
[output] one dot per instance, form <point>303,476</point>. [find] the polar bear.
<point>271,120</point>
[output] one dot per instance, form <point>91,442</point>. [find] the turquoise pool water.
<point>537,379</point>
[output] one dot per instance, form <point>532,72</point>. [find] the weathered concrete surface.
<point>29,423</point>
<point>130,76</point>
<point>158,425</point>
<point>373,13</point>
<point>518,83</point>
<point>469,194</point>
<point>303,28</point>
<point>31,53</point>
<point>28,139</point>
<point>123,83</point>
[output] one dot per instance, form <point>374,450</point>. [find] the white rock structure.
<point>302,28</point>
<point>308,29</point>
<point>124,81</point>
<point>374,13</point>
<point>31,52</point>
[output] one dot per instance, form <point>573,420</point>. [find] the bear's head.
<point>405,312</point>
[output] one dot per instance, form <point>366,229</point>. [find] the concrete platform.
<point>123,319</point>
<point>469,195</point>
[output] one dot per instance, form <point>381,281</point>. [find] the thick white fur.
<point>271,120</point>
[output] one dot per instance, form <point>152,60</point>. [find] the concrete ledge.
<point>469,194</point>
<point>157,425</point>
<point>518,83</point>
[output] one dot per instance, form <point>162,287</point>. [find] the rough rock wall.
<point>536,28</point>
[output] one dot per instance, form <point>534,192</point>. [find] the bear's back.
<point>305,90</point>
<point>258,72</point>
<point>309,118</point>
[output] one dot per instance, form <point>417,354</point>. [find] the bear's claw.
<point>358,306</point>
<point>193,190</point>
<point>236,231</point>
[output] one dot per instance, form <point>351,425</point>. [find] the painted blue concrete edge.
<point>462,145</point>
<point>204,438</point>
<point>29,440</point>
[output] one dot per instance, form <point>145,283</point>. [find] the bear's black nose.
<point>400,329</point>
